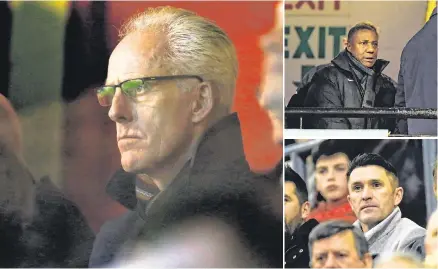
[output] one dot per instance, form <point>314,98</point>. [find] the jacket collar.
<point>302,233</point>
<point>342,62</point>
<point>122,185</point>
<point>384,227</point>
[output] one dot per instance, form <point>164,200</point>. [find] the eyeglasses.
<point>134,88</point>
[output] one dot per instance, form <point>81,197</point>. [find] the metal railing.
<point>349,112</point>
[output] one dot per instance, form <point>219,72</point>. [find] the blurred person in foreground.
<point>170,88</point>
<point>296,210</point>
<point>417,78</point>
<point>331,160</point>
<point>40,226</point>
<point>271,89</point>
<point>431,241</point>
<point>338,244</point>
<point>353,79</point>
<point>398,260</point>
<point>374,195</point>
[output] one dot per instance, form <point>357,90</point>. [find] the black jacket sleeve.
<point>324,93</point>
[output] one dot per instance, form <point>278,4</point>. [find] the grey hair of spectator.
<point>330,228</point>
<point>407,257</point>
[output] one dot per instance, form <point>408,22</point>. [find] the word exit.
<point>305,33</point>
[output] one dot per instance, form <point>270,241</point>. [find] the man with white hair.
<point>170,88</point>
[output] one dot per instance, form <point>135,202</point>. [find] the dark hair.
<point>330,228</point>
<point>333,146</point>
<point>301,188</point>
<point>371,159</point>
<point>361,26</point>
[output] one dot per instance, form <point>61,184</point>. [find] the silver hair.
<point>194,46</point>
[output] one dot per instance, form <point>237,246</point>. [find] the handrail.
<point>349,112</point>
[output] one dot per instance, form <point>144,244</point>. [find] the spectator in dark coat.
<point>353,79</point>
<point>417,78</point>
<point>296,210</point>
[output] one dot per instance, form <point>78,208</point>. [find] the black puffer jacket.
<point>335,86</point>
<point>297,246</point>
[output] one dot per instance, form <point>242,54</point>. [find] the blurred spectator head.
<point>331,160</point>
<point>431,241</point>
<point>176,74</point>
<point>201,242</point>
<point>374,189</point>
<point>338,244</point>
<point>271,91</point>
<point>16,182</point>
<point>296,204</point>
<point>399,260</point>
<point>10,128</point>
<point>363,43</point>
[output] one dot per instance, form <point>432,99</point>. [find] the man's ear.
<point>305,210</point>
<point>202,102</point>
<point>345,42</point>
<point>368,260</point>
<point>398,195</point>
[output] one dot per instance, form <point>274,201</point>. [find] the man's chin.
<point>369,220</point>
<point>130,165</point>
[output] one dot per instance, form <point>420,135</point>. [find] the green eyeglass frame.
<point>131,87</point>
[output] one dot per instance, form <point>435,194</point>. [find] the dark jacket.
<point>297,246</point>
<point>335,86</point>
<point>217,182</point>
<point>417,79</point>
<point>59,234</point>
<point>298,99</point>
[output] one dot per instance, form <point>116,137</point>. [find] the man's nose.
<point>371,48</point>
<point>367,193</point>
<point>331,174</point>
<point>331,262</point>
<point>121,110</point>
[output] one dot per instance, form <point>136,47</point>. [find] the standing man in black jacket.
<point>296,210</point>
<point>353,79</point>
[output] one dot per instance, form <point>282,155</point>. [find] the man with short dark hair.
<point>374,195</point>
<point>338,244</point>
<point>331,160</point>
<point>296,210</point>
<point>353,79</point>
